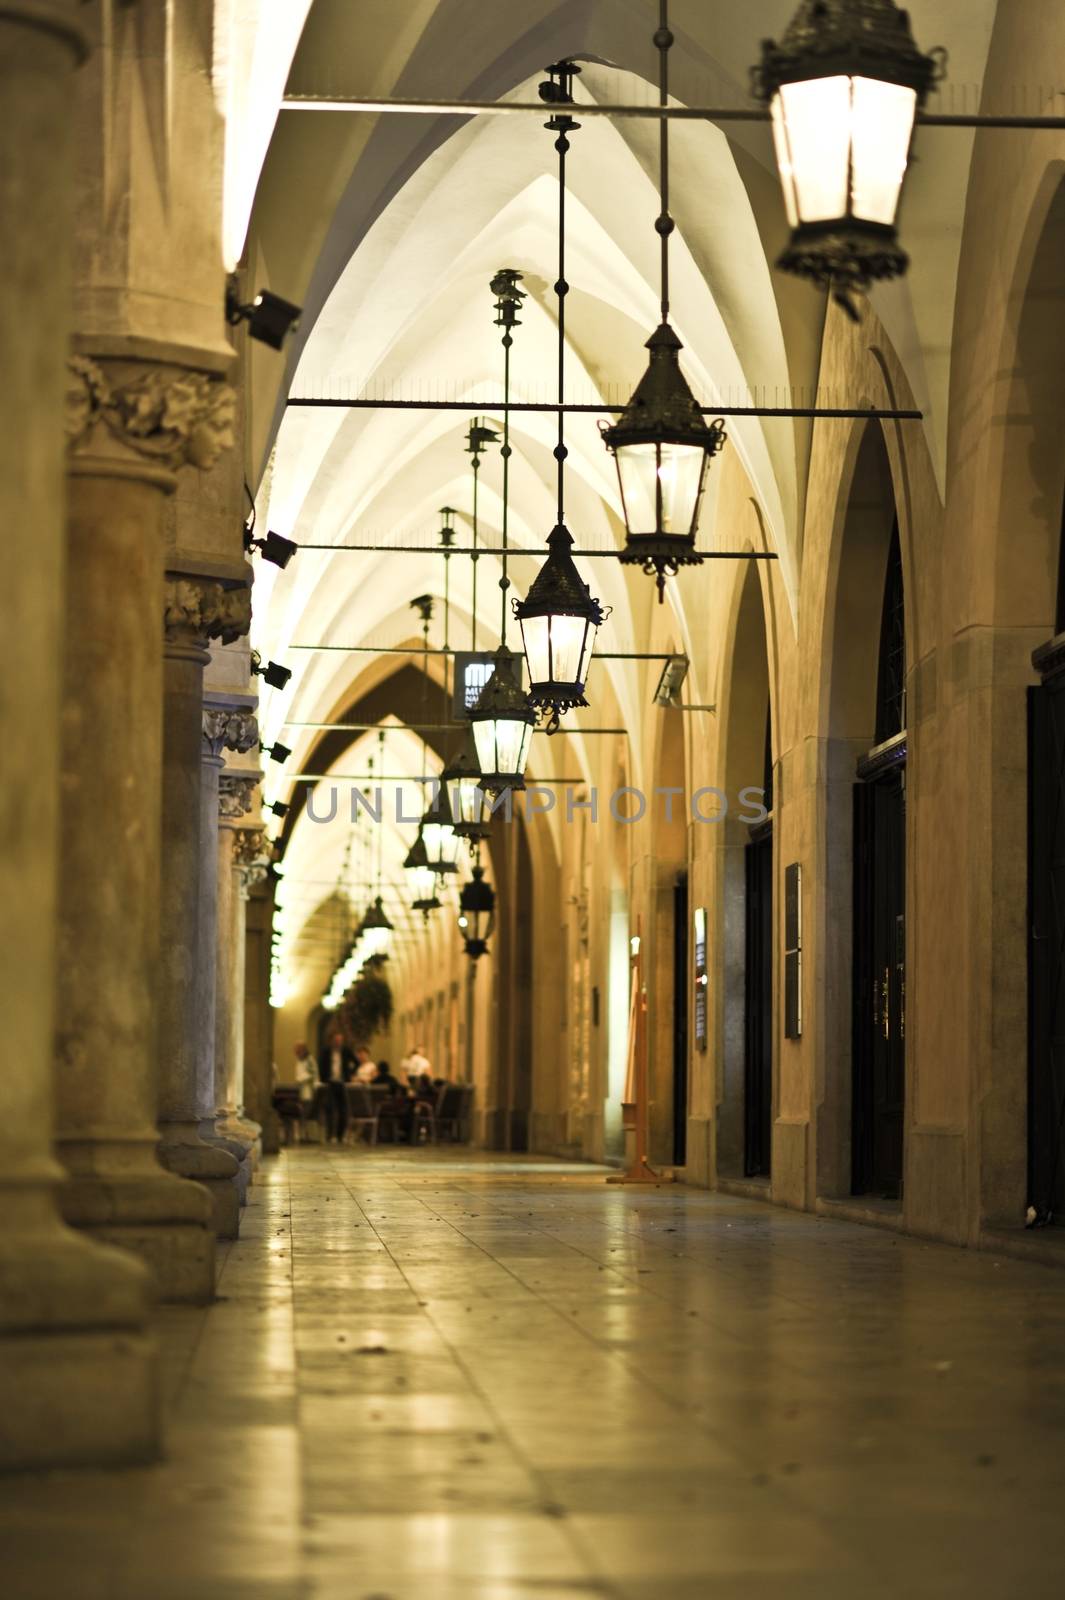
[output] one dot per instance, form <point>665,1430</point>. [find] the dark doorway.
<point>1046,946</point>
<point>680,1021</point>
<point>879,1040</point>
<point>758,1011</point>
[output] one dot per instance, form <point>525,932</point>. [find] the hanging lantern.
<point>662,447</point>
<point>477,905</point>
<point>503,721</point>
<point>376,932</point>
<point>422,877</point>
<point>558,620</point>
<point>442,843</point>
<point>844,86</point>
<point>469,802</point>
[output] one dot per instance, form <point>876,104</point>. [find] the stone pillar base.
<point>239,1153</point>
<point>215,1169</point>
<point>79,1399</point>
<point>164,1219</point>
<point>247,1133</point>
<point>79,1377</point>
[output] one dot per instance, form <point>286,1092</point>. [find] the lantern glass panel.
<point>423,882</point>
<point>817,130</point>
<point>676,471</point>
<point>555,648</point>
<point>882,119</point>
<point>502,744</point>
<point>467,800</point>
<point>441,843</point>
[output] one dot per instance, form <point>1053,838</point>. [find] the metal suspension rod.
<point>664,39</point>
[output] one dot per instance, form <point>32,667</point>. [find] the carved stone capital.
<point>252,855</point>
<point>196,610</point>
<point>162,415</point>
<point>236,795</point>
<point>229,728</point>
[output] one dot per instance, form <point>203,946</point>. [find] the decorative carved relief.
<point>202,609</point>
<point>229,728</point>
<point>236,796</point>
<point>163,414</point>
<point>252,855</point>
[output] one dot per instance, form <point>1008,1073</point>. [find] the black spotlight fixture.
<point>844,85</point>
<point>559,616</point>
<point>273,673</point>
<point>277,752</point>
<point>279,808</point>
<point>270,319</point>
<point>477,906</point>
<point>661,443</point>
<point>275,548</point>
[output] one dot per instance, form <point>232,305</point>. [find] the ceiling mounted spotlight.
<point>661,444</point>
<point>275,548</point>
<point>270,319</point>
<point>279,808</point>
<point>843,86</point>
<point>273,673</point>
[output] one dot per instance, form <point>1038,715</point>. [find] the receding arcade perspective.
<point>532,823</point>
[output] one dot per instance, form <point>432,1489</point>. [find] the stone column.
<point>132,424</point>
<point>78,1375</point>
<point>197,609</point>
<point>258,1016</point>
<point>235,803</point>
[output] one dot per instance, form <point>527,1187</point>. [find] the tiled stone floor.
<point>453,1377</point>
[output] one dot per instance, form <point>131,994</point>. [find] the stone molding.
<point>163,416</point>
<point>236,795</point>
<point>229,728</point>
<point>199,609</point>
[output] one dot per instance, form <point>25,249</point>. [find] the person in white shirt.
<point>366,1069</point>
<point>418,1064</point>
<point>306,1075</point>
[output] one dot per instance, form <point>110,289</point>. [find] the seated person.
<point>383,1079</point>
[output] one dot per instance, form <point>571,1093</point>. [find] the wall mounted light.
<point>270,319</point>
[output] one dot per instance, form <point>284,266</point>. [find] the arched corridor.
<point>532,834</point>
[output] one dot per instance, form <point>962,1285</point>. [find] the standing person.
<point>418,1064</point>
<point>336,1068</point>
<point>306,1083</point>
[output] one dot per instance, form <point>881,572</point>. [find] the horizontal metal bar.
<point>365,403</point>
<point>496,550</point>
<point>414,727</point>
<point>675,113</point>
<point>404,777</point>
<point>400,650</point>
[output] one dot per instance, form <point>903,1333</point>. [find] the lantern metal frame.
<point>418,861</point>
<point>663,411</point>
<point>376,923</point>
<point>851,39</point>
<point>503,700</point>
<point>470,803</point>
<point>558,589</point>
<point>477,900</point>
<point>439,815</point>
